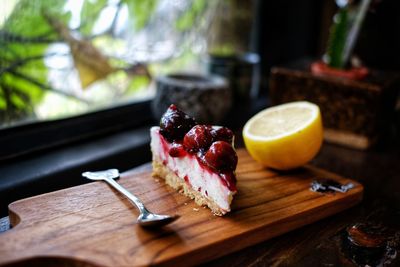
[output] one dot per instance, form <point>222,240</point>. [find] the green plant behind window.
<point>59,58</point>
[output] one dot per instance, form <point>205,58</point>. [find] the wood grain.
<point>92,225</point>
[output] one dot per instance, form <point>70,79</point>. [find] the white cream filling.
<point>200,179</point>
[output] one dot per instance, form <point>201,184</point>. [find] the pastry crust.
<point>163,172</point>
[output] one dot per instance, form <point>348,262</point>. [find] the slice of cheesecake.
<point>198,160</point>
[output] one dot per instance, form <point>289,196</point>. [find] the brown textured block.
<point>355,113</point>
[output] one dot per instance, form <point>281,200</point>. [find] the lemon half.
<point>285,136</point>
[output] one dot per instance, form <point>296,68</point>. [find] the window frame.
<point>32,137</point>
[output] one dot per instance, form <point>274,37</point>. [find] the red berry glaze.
<point>229,179</point>
<point>177,151</point>
<point>175,124</point>
<point>199,137</point>
<point>221,156</point>
<point>222,134</point>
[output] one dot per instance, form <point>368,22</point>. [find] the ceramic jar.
<point>206,98</point>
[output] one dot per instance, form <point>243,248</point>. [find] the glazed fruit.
<point>199,137</point>
<point>221,156</point>
<point>175,124</point>
<point>211,145</point>
<point>177,151</point>
<point>222,134</point>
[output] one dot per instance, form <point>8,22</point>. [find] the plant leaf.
<point>140,11</point>
<point>337,39</point>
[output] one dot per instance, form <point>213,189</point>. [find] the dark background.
<point>288,30</point>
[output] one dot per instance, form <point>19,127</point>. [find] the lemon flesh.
<point>285,136</point>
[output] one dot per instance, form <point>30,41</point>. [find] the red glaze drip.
<point>186,178</point>
<point>177,151</point>
<point>164,143</point>
<point>229,179</point>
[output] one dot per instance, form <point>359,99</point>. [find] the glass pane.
<point>61,58</point>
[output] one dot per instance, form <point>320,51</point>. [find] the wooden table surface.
<point>322,243</point>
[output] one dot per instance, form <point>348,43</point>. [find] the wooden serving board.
<point>93,225</point>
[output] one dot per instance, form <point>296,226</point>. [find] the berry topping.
<point>199,137</point>
<point>177,151</point>
<point>175,124</point>
<point>222,134</point>
<point>221,156</point>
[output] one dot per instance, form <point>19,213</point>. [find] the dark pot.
<point>206,98</point>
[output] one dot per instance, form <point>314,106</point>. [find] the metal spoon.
<point>145,218</point>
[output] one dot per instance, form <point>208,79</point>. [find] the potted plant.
<point>357,102</point>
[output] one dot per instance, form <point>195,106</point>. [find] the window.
<point>65,64</point>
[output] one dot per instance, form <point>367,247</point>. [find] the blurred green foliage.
<point>26,35</point>
<point>141,11</point>
<point>188,18</point>
<point>24,38</point>
<point>89,13</point>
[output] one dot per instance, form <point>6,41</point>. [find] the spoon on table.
<point>145,218</point>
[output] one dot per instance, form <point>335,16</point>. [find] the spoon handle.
<point>138,203</point>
